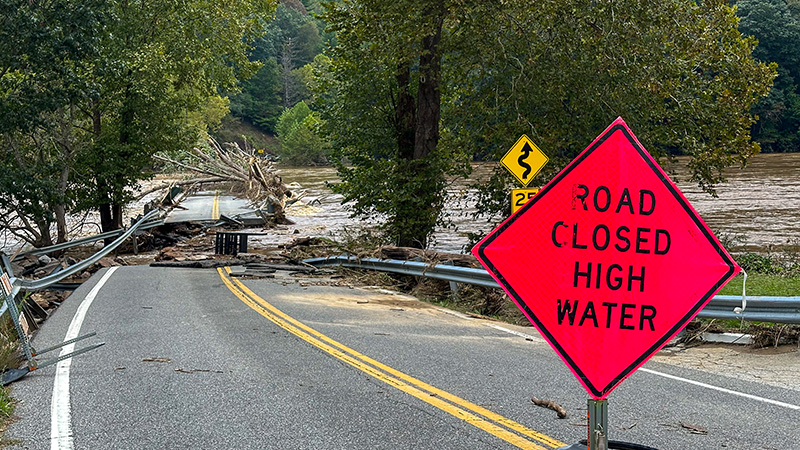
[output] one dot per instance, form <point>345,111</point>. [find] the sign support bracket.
<point>598,424</point>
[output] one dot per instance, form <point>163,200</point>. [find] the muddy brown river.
<point>758,208</point>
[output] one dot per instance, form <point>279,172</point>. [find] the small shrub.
<point>7,403</point>
<point>785,263</point>
<point>10,353</point>
<point>755,262</point>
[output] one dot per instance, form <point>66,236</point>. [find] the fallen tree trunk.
<point>256,178</point>
<point>193,181</point>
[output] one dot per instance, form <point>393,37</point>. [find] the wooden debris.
<point>409,253</point>
<point>694,429</point>
<point>560,411</point>
<point>197,370</point>
<point>255,177</point>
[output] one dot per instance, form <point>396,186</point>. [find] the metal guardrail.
<point>21,284</point>
<point>759,309</point>
<point>86,240</point>
<point>478,277</point>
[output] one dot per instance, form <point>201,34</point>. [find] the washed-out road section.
<point>194,359</point>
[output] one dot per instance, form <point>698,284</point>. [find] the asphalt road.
<point>208,206</point>
<point>295,363</point>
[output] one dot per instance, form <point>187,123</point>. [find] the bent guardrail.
<point>20,284</point>
<point>34,285</point>
<point>86,240</point>
<point>759,308</point>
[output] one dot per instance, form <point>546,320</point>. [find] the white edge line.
<point>454,313</point>
<point>721,389</point>
<point>642,369</point>
<point>60,416</point>
<point>529,337</point>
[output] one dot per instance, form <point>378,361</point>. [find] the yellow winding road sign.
<point>524,160</point>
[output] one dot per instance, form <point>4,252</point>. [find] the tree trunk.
<point>405,120</point>
<point>106,220</point>
<point>419,180</point>
<point>429,94</point>
<point>44,239</point>
<point>61,223</point>
<point>117,216</point>
<point>287,64</point>
<point>60,210</point>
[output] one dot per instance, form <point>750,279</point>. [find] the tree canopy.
<point>680,73</point>
<point>101,86</point>
<point>408,93</point>
<point>289,42</point>
<point>776,25</point>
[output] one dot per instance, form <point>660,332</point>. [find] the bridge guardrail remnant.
<point>759,308</point>
<point>88,239</point>
<point>34,285</point>
<point>19,284</point>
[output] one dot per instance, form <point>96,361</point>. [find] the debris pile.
<point>254,176</point>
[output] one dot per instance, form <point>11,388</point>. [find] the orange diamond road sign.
<point>524,160</point>
<point>608,261</point>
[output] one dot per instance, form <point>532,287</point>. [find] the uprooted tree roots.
<point>255,177</point>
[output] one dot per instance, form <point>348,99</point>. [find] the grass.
<point>764,284</point>
<point>7,404</point>
<point>770,274</point>
<point>9,359</point>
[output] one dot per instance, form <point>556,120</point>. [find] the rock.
<point>107,262</point>
<point>120,262</point>
<point>45,260</point>
<point>169,254</point>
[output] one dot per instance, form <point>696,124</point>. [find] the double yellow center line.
<point>215,206</point>
<point>493,423</point>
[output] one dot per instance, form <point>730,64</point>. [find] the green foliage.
<point>31,186</point>
<point>174,56</point>
<point>380,106</point>
<point>301,145</point>
<point>679,73</point>
<point>90,90</point>
<point>289,42</point>
<point>259,101</point>
<point>776,25</point>
<point>292,21</point>
<point>786,265</point>
<point>291,119</point>
<point>209,116</point>
<point>39,42</point>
